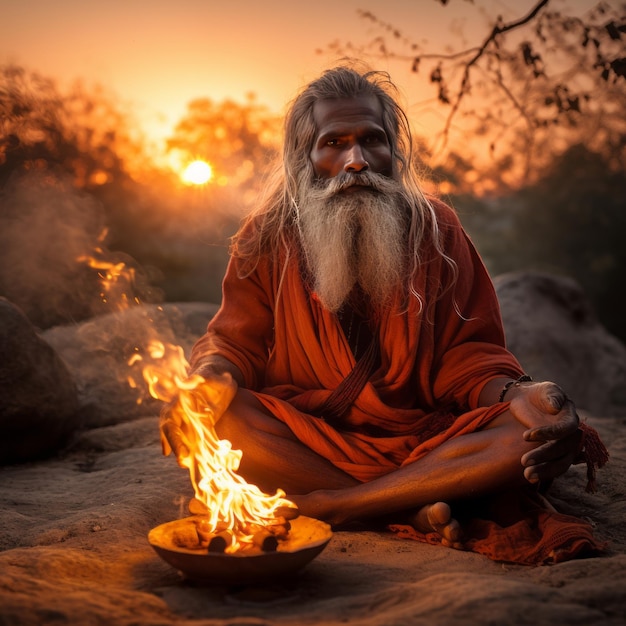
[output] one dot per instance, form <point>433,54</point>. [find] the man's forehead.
<point>359,110</point>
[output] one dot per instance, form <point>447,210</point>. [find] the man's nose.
<point>355,160</point>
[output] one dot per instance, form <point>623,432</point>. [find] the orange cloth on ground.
<point>515,527</point>
<point>434,360</point>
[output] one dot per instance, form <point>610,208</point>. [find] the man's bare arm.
<point>215,364</point>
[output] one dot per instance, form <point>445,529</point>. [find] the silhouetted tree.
<point>532,87</point>
<point>82,135</point>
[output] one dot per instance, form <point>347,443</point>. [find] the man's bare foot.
<point>438,518</point>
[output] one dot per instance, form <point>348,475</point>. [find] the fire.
<point>236,510</point>
<point>233,504</point>
<point>116,280</point>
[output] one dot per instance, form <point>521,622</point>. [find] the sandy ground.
<point>74,548</point>
<point>73,535</point>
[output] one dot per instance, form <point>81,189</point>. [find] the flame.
<point>115,279</point>
<point>232,503</point>
<point>196,404</point>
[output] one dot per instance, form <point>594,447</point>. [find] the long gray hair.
<point>272,228</point>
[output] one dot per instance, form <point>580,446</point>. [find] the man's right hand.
<point>208,401</point>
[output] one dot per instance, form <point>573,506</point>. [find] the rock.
<point>38,398</point>
<point>97,353</point>
<point>552,329</point>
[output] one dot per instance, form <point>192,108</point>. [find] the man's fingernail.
<point>531,477</point>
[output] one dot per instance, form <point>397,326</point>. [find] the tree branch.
<point>497,30</point>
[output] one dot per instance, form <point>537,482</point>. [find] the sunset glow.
<point>197,173</point>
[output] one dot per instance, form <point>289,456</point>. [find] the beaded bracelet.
<point>514,383</point>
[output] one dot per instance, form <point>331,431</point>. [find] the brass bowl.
<point>307,538</point>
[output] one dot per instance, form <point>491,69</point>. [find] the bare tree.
<point>532,87</point>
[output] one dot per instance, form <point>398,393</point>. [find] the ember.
<point>235,515</point>
<point>116,279</point>
<point>199,536</point>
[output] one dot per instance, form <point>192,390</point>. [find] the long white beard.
<point>354,237</point>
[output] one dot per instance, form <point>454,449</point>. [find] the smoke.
<point>46,228</point>
<point>98,351</point>
<point>83,297</point>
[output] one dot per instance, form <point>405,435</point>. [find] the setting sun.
<point>197,173</point>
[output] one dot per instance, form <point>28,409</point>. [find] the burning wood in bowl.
<point>200,534</point>
<point>230,514</point>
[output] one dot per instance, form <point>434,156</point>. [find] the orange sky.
<point>158,54</point>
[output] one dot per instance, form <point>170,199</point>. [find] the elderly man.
<point>359,345</point>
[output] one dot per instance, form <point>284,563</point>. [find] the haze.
<point>158,55</point>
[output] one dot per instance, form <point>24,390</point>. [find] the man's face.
<point>350,138</point>
<point>353,215</point>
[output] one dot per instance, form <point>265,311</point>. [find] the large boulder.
<point>38,398</point>
<point>98,352</point>
<point>552,329</point>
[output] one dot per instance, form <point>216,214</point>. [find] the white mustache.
<point>345,180</point>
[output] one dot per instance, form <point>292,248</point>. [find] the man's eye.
<point>332,142</point>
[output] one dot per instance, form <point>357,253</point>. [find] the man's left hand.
<point>551,418</point>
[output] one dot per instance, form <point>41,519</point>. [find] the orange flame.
<point>115,279</point>
<point>232,503</point>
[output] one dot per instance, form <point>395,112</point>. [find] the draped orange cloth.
<point>516,527</point>
<point>434,359</point>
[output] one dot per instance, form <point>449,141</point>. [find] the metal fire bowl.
<point>307,538</point>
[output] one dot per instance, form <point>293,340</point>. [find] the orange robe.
<point>434,360</point>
